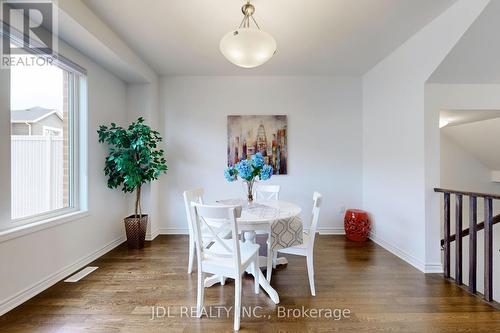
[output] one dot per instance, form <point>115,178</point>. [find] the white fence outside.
<point>37,174</point>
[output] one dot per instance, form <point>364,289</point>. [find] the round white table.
<point>260,216</point>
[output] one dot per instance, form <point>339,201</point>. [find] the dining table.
<point>279,219</point>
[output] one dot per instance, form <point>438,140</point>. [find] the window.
<point>48,131</point>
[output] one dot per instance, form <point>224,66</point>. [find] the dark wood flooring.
<point>383,294</point>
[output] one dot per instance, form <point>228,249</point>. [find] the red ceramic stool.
<point>357,226</point>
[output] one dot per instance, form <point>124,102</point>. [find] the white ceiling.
<point>459,117</point>
<point>315,37</point>
<point>480,138</point>
<point>476,57</point>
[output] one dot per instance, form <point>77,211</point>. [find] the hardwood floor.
<point>382,293</point>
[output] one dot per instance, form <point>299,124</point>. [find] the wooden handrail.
<point>470,194</point>
<point>479,226</point>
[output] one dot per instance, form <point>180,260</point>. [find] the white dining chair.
<point>225,257</point>
<point>196,196</point>
<point>267,192</point>
<point>306,249</point>
<point>191,196</point>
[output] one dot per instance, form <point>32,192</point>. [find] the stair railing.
<point>474,227</point>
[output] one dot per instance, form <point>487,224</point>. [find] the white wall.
<point>461,170</point>
<point>479,138</point>
<point>143,101</point>
<point>394,175</point>
<point>80,27</point>
<point>324,140</point>
<point>476,58</point>
<point>457,168</point>
<point>35,261</point>
<point>446,97</point>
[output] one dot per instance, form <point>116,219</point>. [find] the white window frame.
<point>78,162</point>
<point>77,156</point>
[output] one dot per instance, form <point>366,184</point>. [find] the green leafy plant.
<point>134,157</point>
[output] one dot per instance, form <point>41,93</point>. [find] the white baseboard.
<point>152,235</point>
<point>181,231</point>
<point>10,303</point>
<point>331,231</point>
<point>434,268</point>
<point>418,264</point>
<point>173,231</point>
<point>415,262</point>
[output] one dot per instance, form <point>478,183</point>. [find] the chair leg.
<point>269,262</point>
<point>191,254</point>
<point>200,294</point>
<point>237,303</point>
<point>310,273</point>
<point>275,258</point>
<point>256,271</point>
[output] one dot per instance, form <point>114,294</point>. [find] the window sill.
<point>29,228</point>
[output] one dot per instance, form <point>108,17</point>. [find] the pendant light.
<point>246,46</point>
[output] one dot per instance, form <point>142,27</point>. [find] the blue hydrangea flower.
<point>230,173</point>
<point>245,169</point>
<point>258,160</point>
<point>266,172</point>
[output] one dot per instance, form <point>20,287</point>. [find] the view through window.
<point>40,139</point>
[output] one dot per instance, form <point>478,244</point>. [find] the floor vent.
<point>81,274</point>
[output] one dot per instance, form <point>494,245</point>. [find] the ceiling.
<point>315,37</point>
<point>459,117</point>
<point>479,138</point>
<point>476,57</point>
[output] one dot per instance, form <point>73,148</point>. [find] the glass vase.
<point>250,184</point>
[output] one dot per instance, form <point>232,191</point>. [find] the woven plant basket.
<point>135,228</point>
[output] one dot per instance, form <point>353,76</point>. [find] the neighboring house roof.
<point>32,115</point>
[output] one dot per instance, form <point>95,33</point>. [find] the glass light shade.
<point>248,47</point>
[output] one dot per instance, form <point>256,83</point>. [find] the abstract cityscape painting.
<point>248,135</point>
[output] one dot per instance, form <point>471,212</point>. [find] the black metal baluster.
<point>458,239</point>
<point>488,249</point>
<point>472,244</point>
<point>447,235</point>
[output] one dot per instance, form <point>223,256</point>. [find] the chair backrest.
<point>267,192</point>
<point>317,198</point>
<point>192,196</point>
<point>225,217</point>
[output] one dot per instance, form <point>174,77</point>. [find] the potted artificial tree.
<point>134,159</point>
